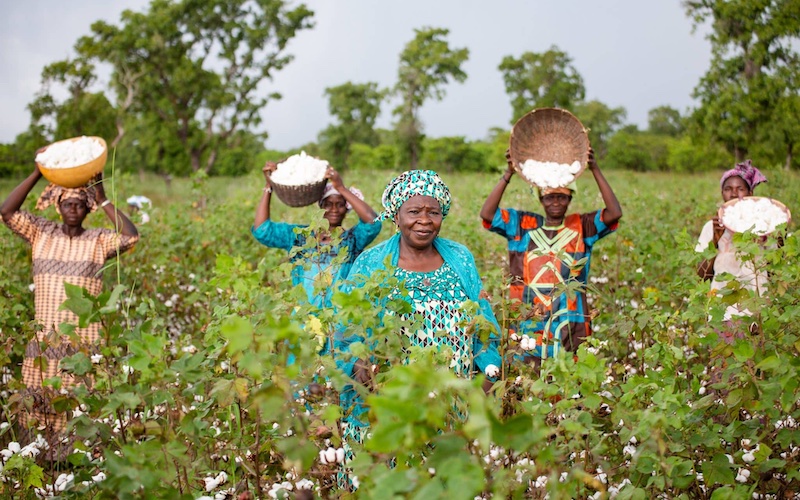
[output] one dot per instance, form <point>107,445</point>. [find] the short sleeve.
<point>594,228</point>
<point>276,234</point>
<point>364,234</point>
<point>505,223</point>
<point>26,225</point>
<point>706,237</point>
<point>114,243</point>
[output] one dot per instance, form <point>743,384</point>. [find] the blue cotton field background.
<point>193,396</point>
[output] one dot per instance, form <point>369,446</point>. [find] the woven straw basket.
<point>300,196</point>
<point>549,134</point>
<point>78,175</point>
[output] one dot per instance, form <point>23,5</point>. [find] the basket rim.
<point>545,114</point>
<point>734,201</point>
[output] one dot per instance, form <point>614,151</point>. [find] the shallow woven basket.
<point>300,196</point>
<point>549,134</point>
<point>777,203</point>
<point>78,175</point>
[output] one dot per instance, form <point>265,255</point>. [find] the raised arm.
<point>493,200</point>
<point>18,195</point>
<point>613,211</point>
<point>362,208</point>
<point>122,224</point>
<point>262,210</point>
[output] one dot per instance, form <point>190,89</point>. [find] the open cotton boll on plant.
<point>300,170</point>
<point>761,216</point>
<point>69,154</point>
<point>549,174</point>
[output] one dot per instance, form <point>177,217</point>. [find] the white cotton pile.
<point>758,215</point>
<point>68,154</point>
<point>300,170</point>
<point>549,174</point>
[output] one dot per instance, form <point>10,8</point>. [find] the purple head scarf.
<point>750,174</point>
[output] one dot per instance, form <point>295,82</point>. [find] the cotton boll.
<point>758,215</point>
<point>300,170</point>
<point>549,174</point>
<point>68,154</point>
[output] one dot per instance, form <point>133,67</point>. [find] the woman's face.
<point>555,205</point>
<point>73,211</point>
<point>335,208</point>
<point>419,221</point>
<point>735,187</point>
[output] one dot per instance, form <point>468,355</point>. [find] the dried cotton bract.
<point>68,154</point>
<point>549,174</point>
<point>761,216</point>
<point>300,170</point>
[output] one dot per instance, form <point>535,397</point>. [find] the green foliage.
<point>639,151</point>
<point>539,80</point>
<point>753,68</point>
<point>355,107</point>
<point>665,120</point>
<point>450,154</point>
<point>601,121</point>
<point>193,67</point>
<point>427,63</point>
<point>194,378</point>
<point>690,154</point>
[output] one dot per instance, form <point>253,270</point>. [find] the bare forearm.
<point>362,208</point>
<point>122,224</point>
<point>493,200</point>
<point>613,211</point>
<point>17,197</point>
<point>262,210</point>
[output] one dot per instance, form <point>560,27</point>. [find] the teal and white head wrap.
<point>414,183</point>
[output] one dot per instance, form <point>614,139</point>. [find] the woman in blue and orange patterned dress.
<point>548,252</point>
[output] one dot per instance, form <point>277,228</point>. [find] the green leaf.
<point>110,305</point>
<point>238,332</point>
<point>718,470</point>
<point>743,350</point>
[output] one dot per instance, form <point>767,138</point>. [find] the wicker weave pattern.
<point>300,196</point>
<point>549,134</point>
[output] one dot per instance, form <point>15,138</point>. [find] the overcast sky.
<point>632,53</point>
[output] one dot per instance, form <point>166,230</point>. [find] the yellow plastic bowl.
<point>79,175</point>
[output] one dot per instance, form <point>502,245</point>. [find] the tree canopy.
<point>427,63</point>
<point>539,80</point>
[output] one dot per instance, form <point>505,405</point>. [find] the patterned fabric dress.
<point>436,298</point>
<point>58,259</point>
<point>455,281</point>
<point>312,266</point>
<point>541,259</point>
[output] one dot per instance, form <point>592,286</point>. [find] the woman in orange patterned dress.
<point>61,253</point>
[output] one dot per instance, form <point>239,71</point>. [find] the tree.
<point>427,63</point>
<point>665,120</point>
<point>81,113</point>
<point>356,106</point>
<point>537,80</point>
<point>750,43</point>
<point>602,121</point>
<point>197,66</point>
<point>450,154</point>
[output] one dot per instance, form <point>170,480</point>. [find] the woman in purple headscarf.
<point>737,182</point>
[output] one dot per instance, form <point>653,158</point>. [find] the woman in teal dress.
<point>439,276</point>
<point>314,269</point>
